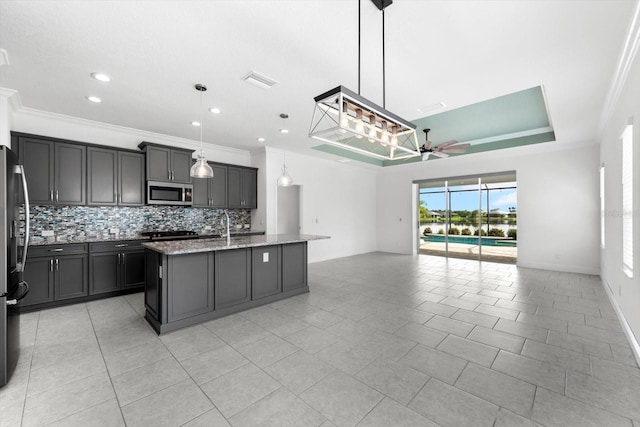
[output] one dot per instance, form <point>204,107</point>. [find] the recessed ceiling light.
<point>284,130</point>
<point>261,139</point>
<point>259,80</point>
<point>195,123</point>
<point>214,110</point>
<point>101,77</point>
<point>94,99</point>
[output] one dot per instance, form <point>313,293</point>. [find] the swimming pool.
<point>471,240</point>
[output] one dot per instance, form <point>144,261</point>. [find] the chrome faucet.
<point>226,214</point>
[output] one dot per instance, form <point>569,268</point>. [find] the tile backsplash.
<point>76,222</point>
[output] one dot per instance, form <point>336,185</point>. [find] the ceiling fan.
<point>442,150</point>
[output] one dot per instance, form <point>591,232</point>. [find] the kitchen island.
<point>192,281</point>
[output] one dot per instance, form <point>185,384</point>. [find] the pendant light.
<point>201,168</point>
<point>285,179</point>
<point>345,119</point>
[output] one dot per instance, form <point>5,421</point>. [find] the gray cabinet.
<point>294,266</point>
<point>115,177</point>
<point>211,192</point>
<point>166,163</point>
<point>266,272</point>
<point>56,171</point>
<point>56,273</point>
<point>242,188</point>
<point>115,266</point>
<point>232,277</point>
<point>193,293</point>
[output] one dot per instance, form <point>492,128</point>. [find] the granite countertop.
<point>43,241</point>
<point>181,247</point>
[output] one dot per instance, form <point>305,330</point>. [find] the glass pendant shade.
<point>201,168</point>
<point>285,179</point>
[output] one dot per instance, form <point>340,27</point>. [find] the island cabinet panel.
<point>294,266</point>
<point>232,277</point>
<point>192,291</point>
<point>153,285</point>
<point>266,278</point>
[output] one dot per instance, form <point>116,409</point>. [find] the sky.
<point>468,200</point>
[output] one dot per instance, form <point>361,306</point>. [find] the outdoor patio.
<point>504,254</point>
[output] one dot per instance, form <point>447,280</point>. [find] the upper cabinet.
<point>55,171</point>
<point>243,187</point>
<point>211,192</point>
<point>115,177</point>
<point>166,163</point>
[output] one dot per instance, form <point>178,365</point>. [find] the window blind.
<point>627,200</point>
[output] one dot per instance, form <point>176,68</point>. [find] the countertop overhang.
<point>182,247</point>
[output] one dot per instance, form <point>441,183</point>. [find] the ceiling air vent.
<point>259,80</point>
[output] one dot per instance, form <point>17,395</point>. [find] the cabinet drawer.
<point>52,250</point>
<point>115,246</point>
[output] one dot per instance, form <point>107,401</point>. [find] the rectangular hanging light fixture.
<point>347,120</point>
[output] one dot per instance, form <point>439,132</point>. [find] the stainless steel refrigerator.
<point>13,190</point>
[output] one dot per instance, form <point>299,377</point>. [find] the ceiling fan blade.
<point>454,150</point>
<point>448,143</point>
<point>464,146</point>
<point>440,154</point>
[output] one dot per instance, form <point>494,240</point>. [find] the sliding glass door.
<point>473,217</point>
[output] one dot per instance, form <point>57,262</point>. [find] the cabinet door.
<point>294,266</point>
<point>218,187</point>
<point>71,277</point>
<point>249,189</point>
<point>38,273</point>
<point>131,179</point>
<point>36,155</point>
<point>235,187</point>
<point>133,268</point>
<point>192,290</point>
<point>232,277</point>
<point>181,166</point>
<point>70,174</point>
<point>265,277</point>
<point>158,163</point>
<point>201,195</point>
<point>105,272</point>
<point>103,178</point>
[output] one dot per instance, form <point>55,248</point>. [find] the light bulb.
<point>394,136</point>
<point>372,128</point>
<point>359,125</point>
<point>344,116</point>
<point>384,135</point>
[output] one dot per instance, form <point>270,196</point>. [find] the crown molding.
<point>13,96</point>
<point>627,56</point>
<point>142,134</point>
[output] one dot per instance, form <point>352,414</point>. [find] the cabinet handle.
<point>119,260</point>
<point>51,195</point>
<point>56,250</point>
<point>121,245</point>
<point>57,264</point>
<point>57,195</point>
<point>124,260</point>
<point>51,264</point>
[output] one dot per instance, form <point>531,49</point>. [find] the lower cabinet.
<point>187,289</point>
<point>56,273</point>
<point>115,266</point>
<point>232,277</point>
<point>266,279</point>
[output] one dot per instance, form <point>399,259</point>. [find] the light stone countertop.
<point>181,247</point>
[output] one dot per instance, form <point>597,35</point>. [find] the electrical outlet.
<point>114,230</point>
<point>265,257</point>
<point>207,227</point>
<point>48,233</point>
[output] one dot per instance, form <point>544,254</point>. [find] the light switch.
<point>265,257</point>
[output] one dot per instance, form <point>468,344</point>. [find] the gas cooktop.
<point>170,234</point>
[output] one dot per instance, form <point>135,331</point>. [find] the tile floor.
<point>381,340</point>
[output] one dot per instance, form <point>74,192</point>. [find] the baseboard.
<point>560,267</point>
<point>633,341</point>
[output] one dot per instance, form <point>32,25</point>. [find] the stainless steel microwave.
<point>169,193</point>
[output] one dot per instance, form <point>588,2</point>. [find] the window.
<point>627,200</point>
<point>602,209</point>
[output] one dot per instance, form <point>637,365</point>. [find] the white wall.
<point>338,200</point>
<point>59,126</point>
<point>625,291</point>
<point>557,202</point>
<point>9,102</point>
